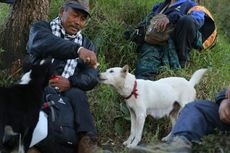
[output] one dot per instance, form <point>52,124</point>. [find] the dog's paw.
<point>166,138</point>
<point>129,140</point>
<point>132,145</point>
<point>125,143</point>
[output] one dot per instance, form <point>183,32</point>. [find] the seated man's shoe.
<point>33,150</point>
<point>89,145</point>
<point>178,144</point>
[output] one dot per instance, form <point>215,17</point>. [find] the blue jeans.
<point>197,119</point>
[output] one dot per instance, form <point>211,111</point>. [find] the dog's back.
<point>184,89</point>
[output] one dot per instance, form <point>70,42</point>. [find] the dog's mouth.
<point>102,79</point>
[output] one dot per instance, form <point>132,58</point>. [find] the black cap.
<point>82,5</point>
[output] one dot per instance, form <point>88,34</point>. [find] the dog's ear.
<point>125,70</point>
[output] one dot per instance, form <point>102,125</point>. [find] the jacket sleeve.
<point>85,77</point>
<point>198,17</point>
<point>42,43</point>
<point>220,96</point>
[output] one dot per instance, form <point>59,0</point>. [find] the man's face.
<point>72,20</point>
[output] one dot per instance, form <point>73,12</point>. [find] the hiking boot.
<point>178,144</point>
<point>33,150</point>
<point>89,145</point>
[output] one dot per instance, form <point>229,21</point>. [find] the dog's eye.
<point>111,71</point>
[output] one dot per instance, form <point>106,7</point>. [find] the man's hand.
<point>224,111</point>
<point>89,57</point>
<point>161,24</point>
<point>60,83</point>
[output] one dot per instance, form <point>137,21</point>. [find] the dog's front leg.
<point>173,121</point>
<point>166,138</point>
<point>138,128</point>
<point>132,131</point>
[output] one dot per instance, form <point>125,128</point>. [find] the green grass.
<point>110,18</point>
<point>109,21</point>
<point>4,8</point>
<point>113,119</point>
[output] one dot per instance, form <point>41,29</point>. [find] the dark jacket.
<point>220,96</point>
<point>42,44</point>
<point>176,11</point>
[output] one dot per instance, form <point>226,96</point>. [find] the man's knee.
<point>76,96</point>
<point>186,21</point>
<point>196,103</point>
<point>200,106</point>
<point>33,150</point>
<point>75,92</point>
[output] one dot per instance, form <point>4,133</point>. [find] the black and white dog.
<point>20,105</point>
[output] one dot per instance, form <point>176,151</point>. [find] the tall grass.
<point>106,27</point>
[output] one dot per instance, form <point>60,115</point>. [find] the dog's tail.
<point>196,77</point>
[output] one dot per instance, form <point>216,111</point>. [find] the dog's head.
<point>38,73</point>
<point>114,76</point>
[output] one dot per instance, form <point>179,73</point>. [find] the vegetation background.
<point>110,18</point>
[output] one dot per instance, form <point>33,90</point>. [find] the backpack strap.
<point>210,41</point>
<point>50,105</point>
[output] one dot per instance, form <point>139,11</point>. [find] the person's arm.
<point>224,109</point>
<point>198,17</point>
<point>220,96</point>
<point>43,43</point>
<point>85,79</point>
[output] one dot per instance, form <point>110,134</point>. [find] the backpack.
<point>209,29</point>
<point>61,128</point>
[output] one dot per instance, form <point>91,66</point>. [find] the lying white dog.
<point>159,98</point>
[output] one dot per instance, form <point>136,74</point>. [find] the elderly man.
<point>74,60</point>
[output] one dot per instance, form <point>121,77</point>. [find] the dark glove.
<point>135,34</point>
<point>220,96</point>
<point>128,33</point>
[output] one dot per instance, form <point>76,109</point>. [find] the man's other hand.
<point>161,24</point>
<point>224,111</point>
<point>88,56</point>
<point>60,83</point>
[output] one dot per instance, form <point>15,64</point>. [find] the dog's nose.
<point>98,77</point>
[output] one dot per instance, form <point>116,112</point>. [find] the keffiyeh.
<point>59,31</point>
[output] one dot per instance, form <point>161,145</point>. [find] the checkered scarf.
<point>59,31</point>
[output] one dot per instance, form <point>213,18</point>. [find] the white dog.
<point>159,98</point>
